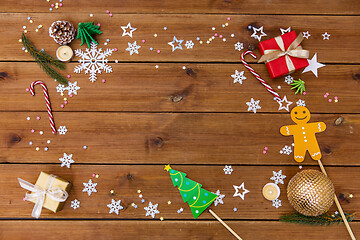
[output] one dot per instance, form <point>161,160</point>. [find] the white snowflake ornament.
<point>289,79</point>
<point>133,48</point>
<point>62,130</point>
<point>72,88</point>
<point>60,88</point>
<point>151,210</point>
<point>286,150</point>
<point>115,206</point>
<point>239,46</point>
<point>278,177</point>
<point>238,76</point>
<point>301,103</point>
<point>219,199</point>
<point>89,187</point>
<point>276,203</point>
<point>228,170</point>
<point>75,204</point>
<point>189,44</point>
<point>93,61</point>
<point>253,105</point>
<point>66,160</point>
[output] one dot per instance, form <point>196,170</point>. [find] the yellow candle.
<point>271,191</point>
<point>64,53</point>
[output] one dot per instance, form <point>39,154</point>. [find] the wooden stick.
<point>224,224</point>
<point>339,206</point>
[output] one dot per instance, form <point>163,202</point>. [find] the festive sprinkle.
<point>97,176</point>
<point>155,35</point>
<point>115,49</point>
<point>143,40</point>
<point>38,118</point>
<point>62,105</point>
<point>37,148</point>
<point>85,147</point>
<point>161,219</point>
<point>104,81</point>
<point>156,66</point>
<point>91,15</point>
<point>46,148</point>
<point>142,200</point>
<point>138,191</point>
<point>65,102</point>
<point>158,51</point>
<point>140,195</point>
<point>169,202</point>
<point>48,141</point>
<point>165,28</point>
<point>32,130</point>
<point>235,209</point>
<point>30,143</point>
<point>28,118</point>
<point>330,100</point>
<point>112,192</point>
<point>228,18</point>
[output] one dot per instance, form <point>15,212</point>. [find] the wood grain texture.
<point>346,7</point>
<point>178,230</point>
<point>156,186</point>
<point>341,48</point>
<point>200,88</point>
<point>168,137</point>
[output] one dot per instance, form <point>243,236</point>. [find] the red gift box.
<point>285,64</point>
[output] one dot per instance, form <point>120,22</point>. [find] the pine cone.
<point>63,32</point>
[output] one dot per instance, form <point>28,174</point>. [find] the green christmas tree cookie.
<point>85,30</point>
<point>191,192</point>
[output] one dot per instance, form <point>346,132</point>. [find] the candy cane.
<point>46,95</point>
<point>262,81</point>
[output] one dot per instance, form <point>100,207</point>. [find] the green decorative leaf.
<point>85,32</point>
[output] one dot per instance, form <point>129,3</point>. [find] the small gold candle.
<point>271,191</point>
<point>64,53</point>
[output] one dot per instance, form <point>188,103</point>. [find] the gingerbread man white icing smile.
<point>304,134</point>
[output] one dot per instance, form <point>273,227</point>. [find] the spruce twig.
<point>85,30</point>
<point>322,220</point>
<point>299,85</point>
<point>45,60</point>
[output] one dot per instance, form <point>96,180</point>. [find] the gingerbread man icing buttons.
<point>304,134</point>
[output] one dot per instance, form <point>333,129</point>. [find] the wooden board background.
<point>194,118</point>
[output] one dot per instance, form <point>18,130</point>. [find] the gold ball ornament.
<point>311,192</point>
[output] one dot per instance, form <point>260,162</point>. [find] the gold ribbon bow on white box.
<point>294,50</point>
<point>38,194</point>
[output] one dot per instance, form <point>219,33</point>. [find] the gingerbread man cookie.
<point>304,134</point>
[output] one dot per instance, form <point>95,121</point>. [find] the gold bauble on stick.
<point>311,192</point>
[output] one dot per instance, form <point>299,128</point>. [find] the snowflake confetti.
<point>115,206</point>
<point>133,48</point>
<point>66,160</point>
<point>239,46</point>
<point>93,61</point>
<point>276,203</point>
<point>286,150</point>
<point>255,33</point>
<point>278,177</point>
<point>228,170</point>
<point>62,130</point>
<point>289,79</point>
<point>60,88</point>
<point>189,44</point>
<point>219,199</point>
<point>253,105</point>
<point>238,76</point>
<point>151,210</point>
<point>242,194</point>
<point>89,187</point>
<point>72,88</point>
<point>301,103</point>
<point>75,204</point>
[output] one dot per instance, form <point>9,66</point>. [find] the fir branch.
<point>299,85</point>
<point>85,30</point>
<point>45,60</point>
<point>322,220</point>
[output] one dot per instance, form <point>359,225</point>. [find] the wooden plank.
<point>156,187</point>
<point>204,88</point>
<point>347,7</point>
<point>341,48</point>
<point>167,230</point>
<point>166,137</point>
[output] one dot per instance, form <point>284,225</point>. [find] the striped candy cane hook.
<point>46,95</point>
<point>262,81</point>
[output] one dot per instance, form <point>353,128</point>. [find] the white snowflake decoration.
<point>60,88</point>
<point>66,160</point>
<point>72,88</point>
<point>89,187</point>
<point>289,79</point>
<point>228,170</point>
<point>93,61</point>
<point>62,130</point>
<point>239,46</point>
<point>278,177</point>
<point>253,105</point>
<point>189,44</point>
<point>133,48</point>
<point>75,204</point>
<point>276,203</point>
<point>238,76</point>
<point>219,199</point>
<point>151,210</point>
<point>115,206</point>
<point>286,150</point>
<point>301,103</point>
